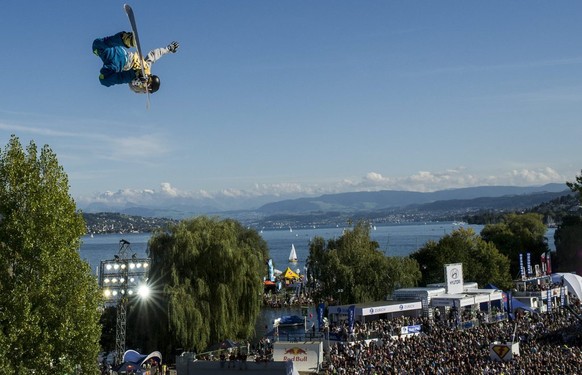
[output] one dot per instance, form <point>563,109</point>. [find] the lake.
<point>394,240</point>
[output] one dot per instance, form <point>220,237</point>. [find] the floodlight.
<point>123,277</point>
<point>143,291</point>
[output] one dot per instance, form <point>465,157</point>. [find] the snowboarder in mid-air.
<point>123,66</point>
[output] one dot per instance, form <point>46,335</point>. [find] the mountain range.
<point>378,200</point>
<point>355,203</point>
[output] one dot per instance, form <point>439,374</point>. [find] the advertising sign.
<point>306,356</point>
<point>454,278</point>
<point>503,351</point>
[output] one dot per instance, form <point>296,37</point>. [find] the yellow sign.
<point>500,350</point>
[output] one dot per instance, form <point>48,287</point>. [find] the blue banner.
<point>521,267</point>
<point>320,309</point>
<point>529,270</point>
<point>414,329</point>
<point>351,316</point>
<point>563,296</point>
<point>549,300</point>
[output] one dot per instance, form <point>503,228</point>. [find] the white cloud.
<point>540,176</point>
<point>168,189</point>
<point>260,193</point>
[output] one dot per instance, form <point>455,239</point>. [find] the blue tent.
<point>515,303</point>
<point>133,361</point>
<point>503,295</point>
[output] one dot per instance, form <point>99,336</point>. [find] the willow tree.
<point>48,298</point>
<point>207,275</point>
<point>482,262</point>
<point>352,269</point>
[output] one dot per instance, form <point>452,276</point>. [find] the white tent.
<point>572,281</point>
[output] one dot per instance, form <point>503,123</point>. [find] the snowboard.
<point>131,16</point>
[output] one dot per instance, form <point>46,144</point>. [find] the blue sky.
<point>301,97</point>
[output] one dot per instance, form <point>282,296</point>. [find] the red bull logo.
<point>295,354</point>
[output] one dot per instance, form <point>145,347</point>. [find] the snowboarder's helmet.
<point>154,84</point>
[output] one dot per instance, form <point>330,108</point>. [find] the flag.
<point>320,308</point>
<point>549,262</point>
<point>351,316</point>
<point>509,304</point>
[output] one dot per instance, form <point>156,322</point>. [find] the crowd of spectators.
<point>287,298</point>
<point>548,344</point>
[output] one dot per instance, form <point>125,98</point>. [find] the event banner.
<point>351,317</point>
<point>320,309</point>
<point>410,330</point>
<point>454,278</point>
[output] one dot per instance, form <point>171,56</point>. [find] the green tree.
<point>568,240</point>
<point>576,186</point>
<point>352,269</point>
<point>518,234</point>
<point>49,318</point>
<point>482,262</point>
<point>207,275</point>
<point>568,236</point>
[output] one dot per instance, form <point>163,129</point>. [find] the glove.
<point>140,83</point>
<point>172,47</point>
<point>140,77</point>
<point>128,39</point>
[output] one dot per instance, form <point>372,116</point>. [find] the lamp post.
<point>120,279</point>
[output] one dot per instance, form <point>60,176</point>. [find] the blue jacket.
<point>116,60</point>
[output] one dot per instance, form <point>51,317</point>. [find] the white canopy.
<point>572,281</point>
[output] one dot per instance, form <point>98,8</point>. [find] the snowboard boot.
<point>128,39</point>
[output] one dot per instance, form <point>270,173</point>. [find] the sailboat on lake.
<point>293,255</point>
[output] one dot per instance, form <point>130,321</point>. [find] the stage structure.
<point>120,279</point>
